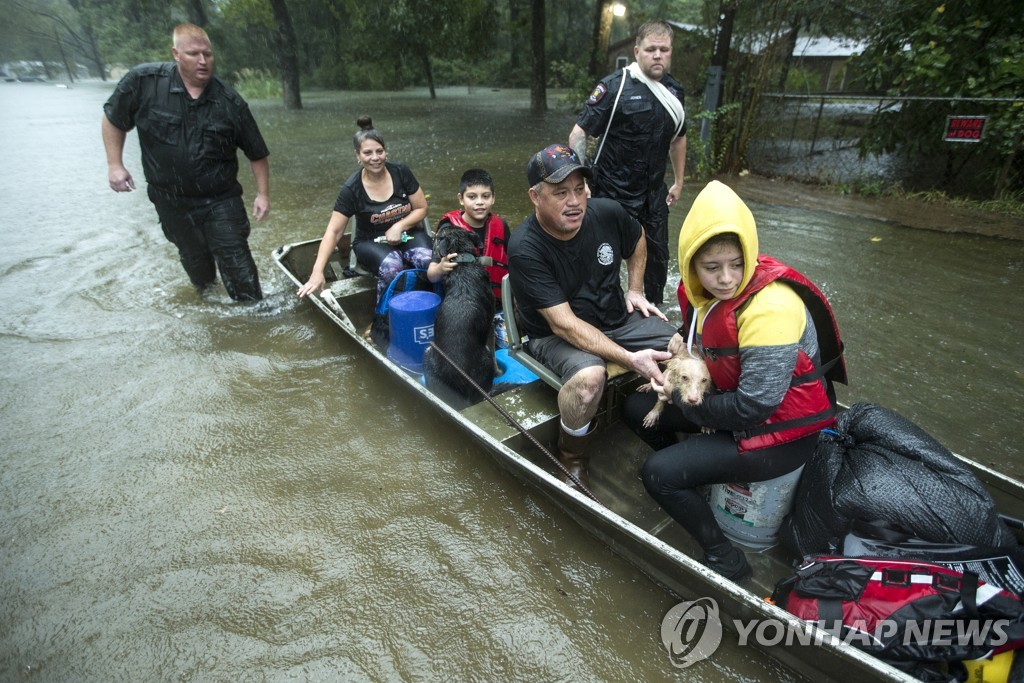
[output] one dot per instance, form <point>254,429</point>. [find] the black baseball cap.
<point>553,164</point>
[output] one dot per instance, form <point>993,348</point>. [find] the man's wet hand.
<point>646,363</point>
<point>635,301</point>
<point>260,207</point>
<point>120,179</point>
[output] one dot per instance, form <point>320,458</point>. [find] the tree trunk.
<point>197,12</point>
<point>539,79</point>
<point>63,55</point>
<point>789,46</point>
<point>513,22</point>
<point>1002,183</point>
<point>430,73</point>
<point>87,44</point>
<point>288,53</point>
<point>602,30</point>
<point>94,51</point>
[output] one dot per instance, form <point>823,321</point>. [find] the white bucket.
<point>752,513</point>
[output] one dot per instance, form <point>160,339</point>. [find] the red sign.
<point>964,128</point>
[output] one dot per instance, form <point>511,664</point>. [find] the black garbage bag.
<point>880,468</point>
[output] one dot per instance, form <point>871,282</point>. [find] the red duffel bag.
<point>904,610</point>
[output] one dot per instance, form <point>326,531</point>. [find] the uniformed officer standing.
<point>638,114</point>
<point>190,127</point>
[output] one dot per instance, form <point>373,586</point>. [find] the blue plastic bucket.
<point>411,317</point>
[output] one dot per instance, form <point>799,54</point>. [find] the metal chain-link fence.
<point>817,138</point>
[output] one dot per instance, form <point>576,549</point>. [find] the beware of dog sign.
<point>964,128</point>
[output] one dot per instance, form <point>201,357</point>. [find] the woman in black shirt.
<point>389,206</point>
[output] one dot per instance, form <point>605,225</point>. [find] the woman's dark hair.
<point>367,132</point>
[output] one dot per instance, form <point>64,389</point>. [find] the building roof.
<point>825,46</point>
<point>806,46</point>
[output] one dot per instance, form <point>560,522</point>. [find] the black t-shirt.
<point>373,218</point>
<point>583,271</point>
<point>189,147</point>
<point>634,157</point>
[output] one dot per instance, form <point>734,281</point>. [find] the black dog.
<point>462,328</point>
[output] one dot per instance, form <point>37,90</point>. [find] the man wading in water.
<point>190,126</point>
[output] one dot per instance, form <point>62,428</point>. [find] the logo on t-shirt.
<point>605,254</point>
<point>390,214</point>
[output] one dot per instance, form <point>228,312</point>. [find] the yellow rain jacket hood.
<point>716,210</point>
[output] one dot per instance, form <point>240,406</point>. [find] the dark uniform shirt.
<point>188,146</point>
<point>633,159</point>
<point>583,271</point>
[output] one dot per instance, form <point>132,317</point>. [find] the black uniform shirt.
<point>632,161</point>
<point>189,147</point>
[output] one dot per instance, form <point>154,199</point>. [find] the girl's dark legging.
<point>676,468</point>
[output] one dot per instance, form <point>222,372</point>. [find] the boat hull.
<point>626,520</point>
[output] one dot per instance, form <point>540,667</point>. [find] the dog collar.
<point>469,258</point>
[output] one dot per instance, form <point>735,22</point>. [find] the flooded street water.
<point>196,490</point>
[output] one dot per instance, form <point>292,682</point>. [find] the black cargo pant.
<point>654,218</point>
<point>210,237</point>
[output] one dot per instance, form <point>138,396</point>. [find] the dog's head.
<point>451,239</point>
<point>690,377</point>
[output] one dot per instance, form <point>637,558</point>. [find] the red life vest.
<point>808,405</point>
<point>494,246</point>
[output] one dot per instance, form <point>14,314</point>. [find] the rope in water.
<point>512,421</point>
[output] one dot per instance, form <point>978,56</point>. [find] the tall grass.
<point>257,84</point>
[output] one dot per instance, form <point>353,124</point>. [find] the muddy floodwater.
<point>197,490</point>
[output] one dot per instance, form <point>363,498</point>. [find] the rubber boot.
<point>729,561</point>
<point>571,455</point>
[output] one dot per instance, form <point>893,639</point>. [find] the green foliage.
<point>248,13</point>
<point>1012,206</point>
<point>133,31</point>
<point>868,186</point>
<point>707,159</point>
<point>368,77</point>
<point>257,84</point>
<point>803,81</point>
<point>574,79</point>
<point>970,49</point>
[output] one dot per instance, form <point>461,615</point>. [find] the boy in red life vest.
<point>476,195</point>
<point>772,347</point>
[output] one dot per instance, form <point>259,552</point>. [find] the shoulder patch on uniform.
<point>599,91</point>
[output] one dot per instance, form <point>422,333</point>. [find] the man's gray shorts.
<point>636,334</point>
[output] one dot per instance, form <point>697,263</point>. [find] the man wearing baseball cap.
<point>564,267</point>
